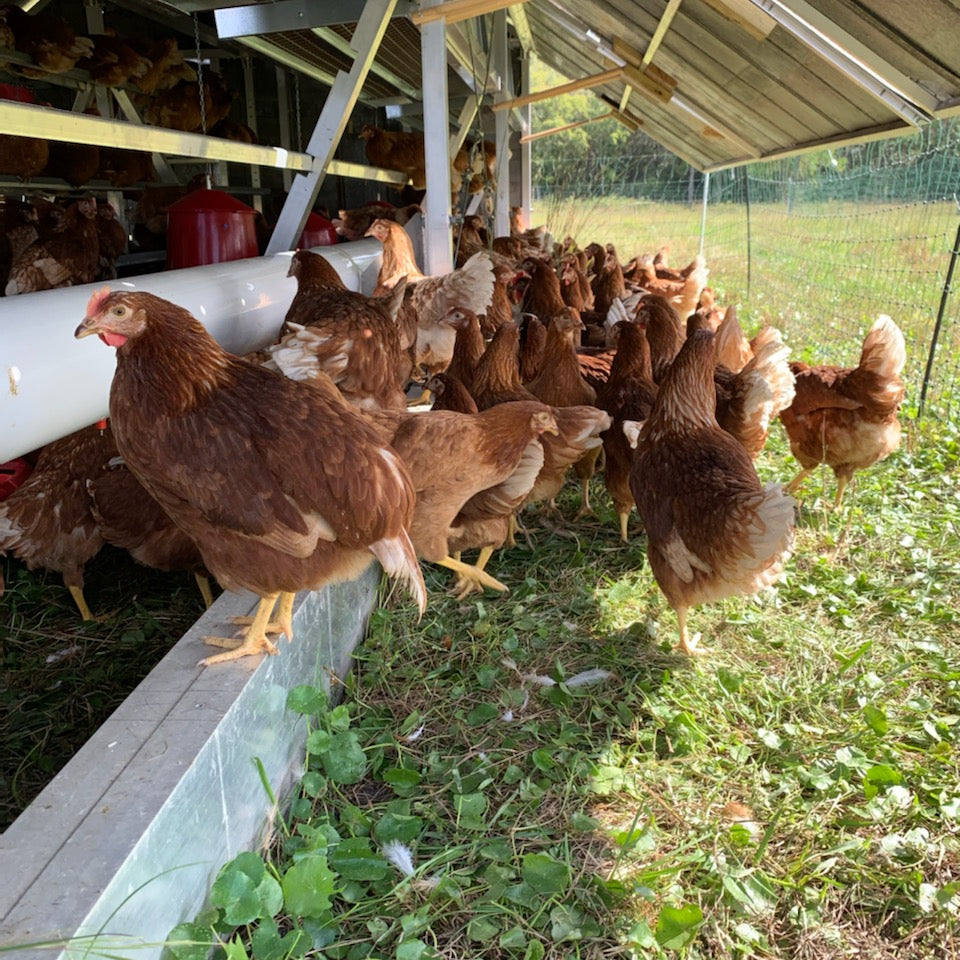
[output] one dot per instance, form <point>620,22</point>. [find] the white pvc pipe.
<point>55,384</point>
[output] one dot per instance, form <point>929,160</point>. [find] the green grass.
<point>821,274</point>
<point>61,677</point>
<point>796,794</point>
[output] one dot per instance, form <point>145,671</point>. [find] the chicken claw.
<point>255,640</point>
<point>687,644</point>
<point>472,574</point>
<point>465,585</point>
<point>281,623</point>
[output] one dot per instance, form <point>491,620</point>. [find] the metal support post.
<point>501,65</point>
<point>526,150</point>
<point>437,251</point>
<point>331,123</point>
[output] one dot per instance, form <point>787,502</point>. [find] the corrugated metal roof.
<point>753,78</point>
<point>742,95</point>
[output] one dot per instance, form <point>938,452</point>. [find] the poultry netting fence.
<point>818,244</point>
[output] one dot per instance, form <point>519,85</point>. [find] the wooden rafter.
<point>455,10</point>
<point>595,80</point>
<point>567,126</point>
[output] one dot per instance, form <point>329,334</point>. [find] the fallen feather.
<point>416,734</point>
<point>400,856</point>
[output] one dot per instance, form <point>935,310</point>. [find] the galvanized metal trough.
<point>127,839</point>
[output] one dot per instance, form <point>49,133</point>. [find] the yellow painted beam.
<point>662,27</point>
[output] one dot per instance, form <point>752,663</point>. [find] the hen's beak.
<point>87,326</point>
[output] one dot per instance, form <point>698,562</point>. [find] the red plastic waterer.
<point>12,474</point>
<point>209,226</point>
<point>317,232</point>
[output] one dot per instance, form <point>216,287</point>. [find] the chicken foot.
<point>465,586</point>
<point>473,574</point>
<point>794,485</point>
<point>255,639</point>
<point>281,622</point>
<point>688,645</point>
<point>586,509</point>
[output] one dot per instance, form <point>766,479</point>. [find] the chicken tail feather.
<point>884,351</point>
<point>399,561</point>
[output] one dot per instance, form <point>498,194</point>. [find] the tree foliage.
<point>600,158</point>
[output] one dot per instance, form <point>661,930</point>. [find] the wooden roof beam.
<point>583,83</point>
<point>567,126</point>
<point>745,15</point>
<point>455,10</point>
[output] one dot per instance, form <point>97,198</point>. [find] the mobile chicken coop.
<point>124,842</point>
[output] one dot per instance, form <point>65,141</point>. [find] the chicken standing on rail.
<point>282,485</point>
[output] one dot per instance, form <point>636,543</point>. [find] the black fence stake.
<point>936,327</point>
<point>746,196</point>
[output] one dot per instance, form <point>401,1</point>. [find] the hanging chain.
<point>201,93</point>
<point>203,99</point>
<point>296,93</point>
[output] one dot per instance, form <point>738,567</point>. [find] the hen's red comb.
<point>96,300</point>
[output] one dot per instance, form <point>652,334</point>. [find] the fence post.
<point>746,197</point>
<point>944,296</point>
<point>703,213</point>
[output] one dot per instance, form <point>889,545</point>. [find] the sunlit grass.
<point>794,795</point>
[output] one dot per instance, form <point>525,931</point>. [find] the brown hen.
<point>665,332</point>
<point>454,456</point>
<point>282,485</point>
<point>429,298</point>
<point>130,519</point>
<point>846,417</point>
<point>561,385</point>
<point>68,256</point>
<point>628,394</point>
<point>351,338</point>
<point>713,530</point>
<point>47,521</point>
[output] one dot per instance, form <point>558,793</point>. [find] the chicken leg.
<point>81,603</point>
<point>203,584</point>
<point>624,520</point>
<point>688,645</point>
<point>473,574</point>
<point>794,485</point>
<point>465,586</point>
<point>254,640</point>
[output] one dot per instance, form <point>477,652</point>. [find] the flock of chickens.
<point>162,85</point>
<point>298,466</point>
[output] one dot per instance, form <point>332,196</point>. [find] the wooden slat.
<point>746,15</point>
<point>455,10</point>
<point>650,81</point>
<point>540,134</point>
<point>582,84</point>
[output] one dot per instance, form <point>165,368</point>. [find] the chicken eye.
<point>119,311</point>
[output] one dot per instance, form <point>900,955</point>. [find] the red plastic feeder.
<point>12,474</point>
<point>317,232</point>
<point>20,94</point>
<point>209,226</point>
